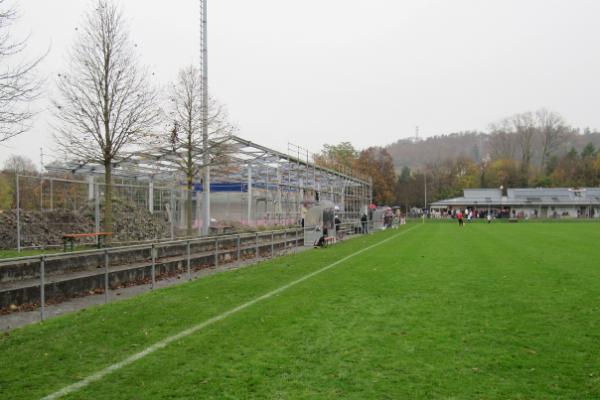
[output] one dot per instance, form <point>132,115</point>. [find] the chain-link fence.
<point>43,209</point>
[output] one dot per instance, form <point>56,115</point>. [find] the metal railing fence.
<point>154,260</point>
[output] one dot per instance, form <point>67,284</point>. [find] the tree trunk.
<point>108,209</point>
<point>524,173</point>
<point>189,170</point>
<point>188,206</point>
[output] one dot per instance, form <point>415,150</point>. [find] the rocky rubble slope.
<point>46,228</point>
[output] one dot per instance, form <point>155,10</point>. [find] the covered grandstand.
<point>251,185</point>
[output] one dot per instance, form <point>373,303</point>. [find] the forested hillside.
<point>532,149</point>
<point>472,145</point>
<point>413,154</point>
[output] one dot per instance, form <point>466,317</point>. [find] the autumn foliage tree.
<point>336,155</point>
<point>377,163</point>
<point>577,170</point>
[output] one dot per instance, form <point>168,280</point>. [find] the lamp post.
<point>425,193</point>
<point>205,143</point>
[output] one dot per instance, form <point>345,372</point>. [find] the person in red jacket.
<point>459,216</point>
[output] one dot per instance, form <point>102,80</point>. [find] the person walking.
<point>459,216</point>
<point>489,218</point>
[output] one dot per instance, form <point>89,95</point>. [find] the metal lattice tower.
<point>206,155</point>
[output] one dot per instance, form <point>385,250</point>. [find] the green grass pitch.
<point>500,311</point>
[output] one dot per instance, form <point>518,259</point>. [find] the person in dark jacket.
<point>364,223</point>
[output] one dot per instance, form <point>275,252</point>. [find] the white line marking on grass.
<point>163,343</point>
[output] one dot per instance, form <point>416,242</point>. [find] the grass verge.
<point>486,311</point>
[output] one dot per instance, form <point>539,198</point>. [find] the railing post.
<point>189,262</point>
<point>97,210</point>
<point>172,208</point>
<point>42,287</point>
<point>17,188</point>
<point>216,252</point>
<point>256,247</point>
<point>153,250</point>
<point>106,261</point>
<point>238,247</point>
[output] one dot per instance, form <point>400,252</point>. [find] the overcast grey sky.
<point>324,71</point>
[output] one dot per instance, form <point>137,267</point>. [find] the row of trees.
<point>528,150</point>
<point>532,139</point>
<point>107,108</point>
<point>525,150</point>
<point>448,178</point>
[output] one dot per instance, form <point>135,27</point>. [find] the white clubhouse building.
<point>525,203</point>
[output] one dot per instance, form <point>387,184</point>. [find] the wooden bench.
<point>70,237</point>
<point>218,229</point>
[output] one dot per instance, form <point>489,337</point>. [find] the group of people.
<point>364,222</point>
<point>469,215</point>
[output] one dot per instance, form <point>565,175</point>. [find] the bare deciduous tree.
<point>106,103</point>
<point>502,142</point>
<point>19,85</point>
<point>524,128</point>
<point>19,165</point>
<point>518,133</point>
<point>186,136</point>
<point>553,133</point>
<point>532,137</point>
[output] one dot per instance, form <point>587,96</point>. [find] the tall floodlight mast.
<point>205,154</point>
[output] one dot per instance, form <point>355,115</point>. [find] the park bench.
<point>220,229</point>
<point>70,238</point>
